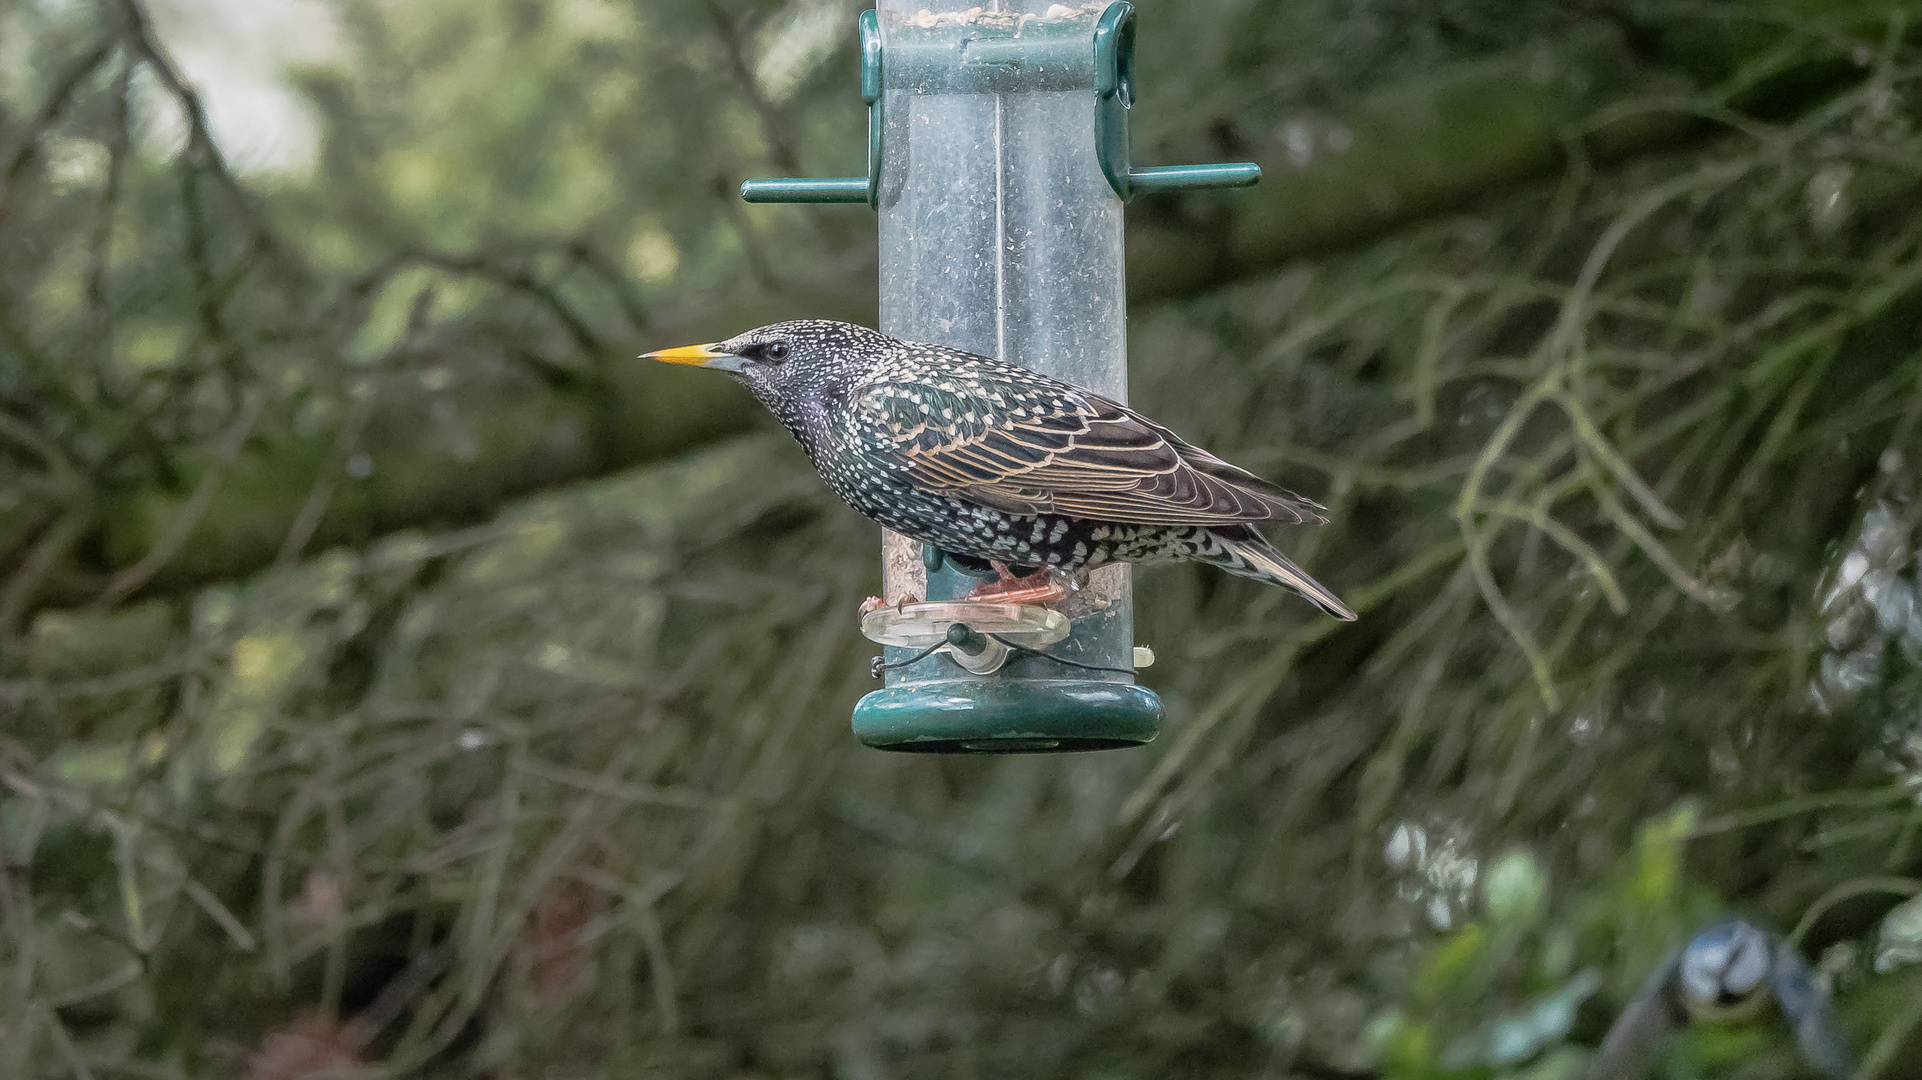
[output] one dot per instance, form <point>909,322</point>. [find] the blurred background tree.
<point>393,674</point>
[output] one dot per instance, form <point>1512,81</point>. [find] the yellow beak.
<point>707,356</point>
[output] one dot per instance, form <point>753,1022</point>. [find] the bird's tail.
<point>1253,557</point>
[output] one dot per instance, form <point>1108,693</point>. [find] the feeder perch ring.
<point>917,626</point>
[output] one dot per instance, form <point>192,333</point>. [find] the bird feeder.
<point>998,161</point>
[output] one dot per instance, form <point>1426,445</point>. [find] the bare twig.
<point>55,103</point>
<point>346,437</point>
<point>123,584</point>
<point>660,970</point>
<point>201,151</point>
<point>734,44</point>
<point>589,255</point>
<point>100,245</point>
<point>54,545</point>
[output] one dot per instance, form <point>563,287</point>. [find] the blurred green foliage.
<point>392,673</point>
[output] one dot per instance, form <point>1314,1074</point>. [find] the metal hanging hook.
<point>1114,68</point>
<point>839,189</point>
<point>1114,52</point>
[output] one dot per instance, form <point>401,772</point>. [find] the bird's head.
<point>1724,971</point>
<point>787,361</point>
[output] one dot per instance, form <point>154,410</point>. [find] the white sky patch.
<point>235,54</point>
<point>795,42</point>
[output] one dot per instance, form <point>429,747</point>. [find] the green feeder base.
<point>1007,716</point>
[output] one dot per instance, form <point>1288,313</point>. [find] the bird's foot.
<point>1044,587</point>
<point>874,603</point>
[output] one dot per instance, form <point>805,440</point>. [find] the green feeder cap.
<point>1007,716</point>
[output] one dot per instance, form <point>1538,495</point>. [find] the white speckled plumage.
<point>991,461</point>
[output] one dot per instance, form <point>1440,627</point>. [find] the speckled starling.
<point>994,463</point>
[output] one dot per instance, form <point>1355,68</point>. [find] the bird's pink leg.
<point>1043,587</point>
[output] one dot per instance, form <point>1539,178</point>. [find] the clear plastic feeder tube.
<point>1000,235</point>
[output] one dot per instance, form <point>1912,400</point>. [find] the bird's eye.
<point>774,352</point>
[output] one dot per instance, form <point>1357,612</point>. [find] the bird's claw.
<point>874,603</point>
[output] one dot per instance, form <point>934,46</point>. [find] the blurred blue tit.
<point>1722,975</point>
<point>1728,972</point>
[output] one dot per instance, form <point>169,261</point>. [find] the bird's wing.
<point>1645,1023</point>
<point>1808,1012</point>
<point>1027,445</point>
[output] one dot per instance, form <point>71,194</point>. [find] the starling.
<point>996,464</point>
